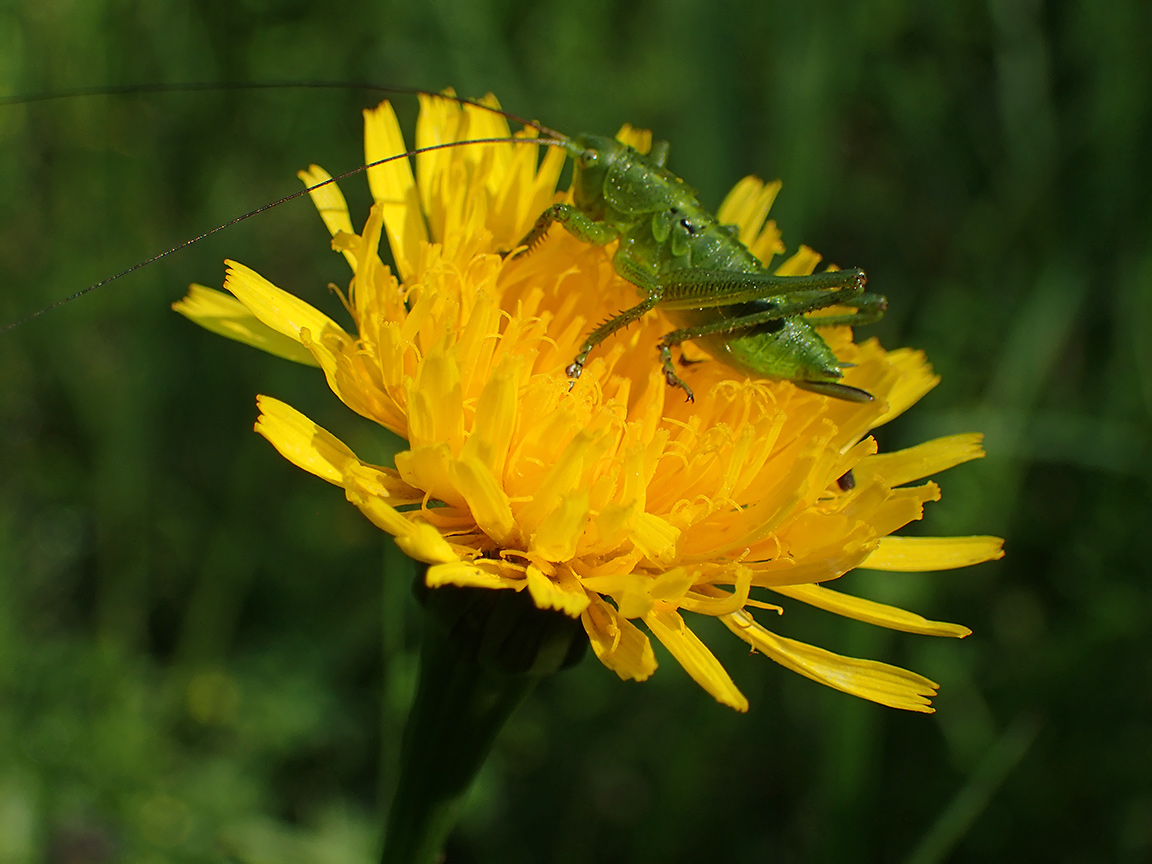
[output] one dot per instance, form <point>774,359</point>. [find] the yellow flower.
<point>614,499</point>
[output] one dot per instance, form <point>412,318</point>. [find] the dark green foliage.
<point>206,655</point>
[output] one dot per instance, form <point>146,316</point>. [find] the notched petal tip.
<point>224,315</point>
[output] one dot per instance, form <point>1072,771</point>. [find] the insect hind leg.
<point>870,308</point>
<point>702,288</point>
<point>786,306</point>
<point>670,375</point>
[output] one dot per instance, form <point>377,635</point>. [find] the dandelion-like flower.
<point>610,499</point>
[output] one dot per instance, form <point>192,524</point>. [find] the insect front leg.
<point>581,226</point>
<point>588,230</point>
<point>642,278</point>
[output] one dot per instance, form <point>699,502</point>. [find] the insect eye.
<point>589,158</point>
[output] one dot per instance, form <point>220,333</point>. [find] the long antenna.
<point>548,142</point>
<point>208,86</point>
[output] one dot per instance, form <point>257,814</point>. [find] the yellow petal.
<point>803,263</point>
<point>914,379</point>
<point>495,419</point>
<point>224,315</point>
<point>710,599</point>
<point>868,679</point>
<point>302,442</point>
<point>468,575</point>
<point>562,478</point>
<point>617,642</point>
<point>768,244</point>
<point>315,449</point>
<point>556,538</point>
<point>923,460</point>
<point>923,554</point>
<point>330,204</point>
<point>632,592</point>
<point>559,593</point>
<point>393,187</point>
<point>870,611</point>
<point>318,451</point>
<point>436,403</point>
<point>485,499</point>
<point>543,188</point>
<point>671,585</point>
<point>428,468</point>
<point>416,539</point>
<point>696,659</point>
<point>747,206</point>
<point>654,536</point>
<point>639,140</point>
<point>283,312</point>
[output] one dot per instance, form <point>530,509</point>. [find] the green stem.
<point>458,711</point>
<point>483,652</point>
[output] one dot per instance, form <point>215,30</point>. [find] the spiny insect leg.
<point>606,329</point>
<point>869,309</point>
<point>644,279</point>
<point>692,288</point>
<point>670,375</point>
<point>580,226</point>
<point>787,306</point>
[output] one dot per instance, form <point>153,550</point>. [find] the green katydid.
<point>695,269</point>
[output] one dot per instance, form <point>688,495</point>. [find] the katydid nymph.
<point>683,260</point>
<point>679,256</point>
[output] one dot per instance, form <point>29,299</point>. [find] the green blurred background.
<point>206,655</point>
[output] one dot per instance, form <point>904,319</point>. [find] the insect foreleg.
<point>582,227</point>
<point>642,278</point>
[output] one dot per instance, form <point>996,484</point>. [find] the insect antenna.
<point>228,86</point>
<point>548,142</point>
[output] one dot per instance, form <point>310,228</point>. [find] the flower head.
<point>611,499</point>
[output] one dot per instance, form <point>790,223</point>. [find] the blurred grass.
<point>192,665</point>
